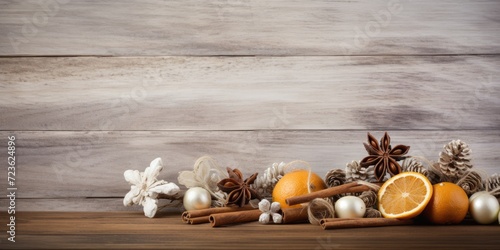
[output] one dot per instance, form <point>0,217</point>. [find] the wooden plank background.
<point>249,27</point>
<point>91,88</point>
<point>245,93</point>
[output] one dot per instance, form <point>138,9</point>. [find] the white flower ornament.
<point>146,188</point>
<point>269,210</point>
<point>206,174</point>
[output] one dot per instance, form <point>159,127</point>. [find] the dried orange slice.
<point>405,195</point>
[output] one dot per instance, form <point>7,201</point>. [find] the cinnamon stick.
<point>336,223</point>
<point>222,219</point>
<point>292,215</point>
<point>187,215</point>
<point>351,187</point>
<point>199,220</point>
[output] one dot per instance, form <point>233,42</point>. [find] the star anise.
<point>239,192</point>
<point>384,157</point>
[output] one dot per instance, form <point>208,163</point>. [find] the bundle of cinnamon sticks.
<point>221,216</point>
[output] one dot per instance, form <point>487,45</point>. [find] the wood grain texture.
<point>246,93</point>
<point>131,230</point>
<point>245,27</point>
<point>91,164</point>
<point>68,204</point>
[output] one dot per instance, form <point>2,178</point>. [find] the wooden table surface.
<point>120,230</point>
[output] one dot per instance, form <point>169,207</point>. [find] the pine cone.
<point>493,182</point>
<point>372,213</point>
<point>434,174</point>
<point>455,159</point>
<point>413,165</point>
<point>354,172</point>
<point>265,183</point>
<point>369,197</point>
<point>471,182</point>
<point>335,177</point>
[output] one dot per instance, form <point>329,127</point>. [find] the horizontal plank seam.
<point>257,130</point>
<point>242,55</point>
<point>67,198</point>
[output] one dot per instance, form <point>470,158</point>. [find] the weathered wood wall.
<point>249,27</point>
<point>93,88</point>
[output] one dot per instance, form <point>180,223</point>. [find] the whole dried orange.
<point>295,184</point>
<point>449,204</point>
<point>404,196</point>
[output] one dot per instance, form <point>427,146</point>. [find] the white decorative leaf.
<point>212,179</point>
<point>168,189</point>
<point>133,177</point>
<point>202,171</point>
<point>209,173</point>
<point>275,207</point>
<point>264,205</point>
<point>128,200</point>
<point>212,165</point>
<point>254,203</point>
<point>277,218</point>
<point>153,171</point>
<point>150,207</point>
<point>187,178</point>
<point>264,218</point>
<point>152,195</point>
<point>139,197</point>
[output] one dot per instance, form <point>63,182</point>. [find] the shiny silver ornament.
<point>197,198</point>
<point>484,207</point>
<point>350,207</point>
